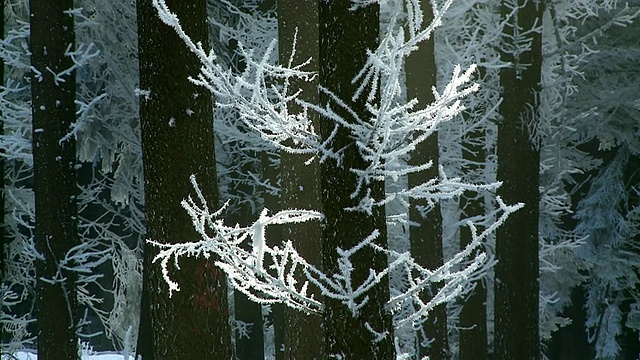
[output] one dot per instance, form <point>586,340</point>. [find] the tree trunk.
<point>271,172</point>
<point>300,183</point>
<point>177,141</point>
<point>571,342</point>
<point>251,345</point>
<point>55,185</point>
<point>426,236</point>
<point>4,241</point>
<point>517,278</point>
<point>345,35</point>
<point>473,316</point>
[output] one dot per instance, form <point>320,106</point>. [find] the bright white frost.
<point>246,269</point>
<point>277,273</point>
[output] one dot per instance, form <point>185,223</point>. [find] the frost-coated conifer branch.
<point>16,136</point>
<point>260,95</point>
<point>394,127</point>
<point>456,280</point>
<point>18,284</point>
<point>277,282</point>
<point>432,191</point>
<point>246,269</point>
<point>575,57</point>
<point>261,104</point>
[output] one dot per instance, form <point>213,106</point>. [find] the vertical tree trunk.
<point>274,233</point>
<point>271,172</point>
<point>426,237</point>
<point>473,316</point>
<point>55,189</point>
<point>250,346</point>
<point>4,242</point>
<point>571,342</point>
<point>177,141</point>
<point>300,183</point>
<point>345,35</point>
<point>517,278</point>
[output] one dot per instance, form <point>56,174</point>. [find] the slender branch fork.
<point>278,273</point>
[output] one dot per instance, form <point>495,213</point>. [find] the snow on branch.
<point>269,274</point>
<point>432,191</point>
<point>394,127</point>
<point>266,274</point>
<point>387,134</point>
<point>455,279</point>
<point>261,94</point>
<point>279,274</point>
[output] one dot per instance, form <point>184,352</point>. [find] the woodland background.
<point>497,216</point>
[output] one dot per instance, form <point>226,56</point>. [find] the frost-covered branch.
<point>455,280</point>
<point>266,274</point>
<point>261,94</point>
<point>395,127</point>
<point>279,274</point>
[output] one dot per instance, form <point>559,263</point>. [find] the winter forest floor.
<point>23,355</point>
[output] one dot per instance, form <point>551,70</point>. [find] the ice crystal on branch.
<point>261,95</point>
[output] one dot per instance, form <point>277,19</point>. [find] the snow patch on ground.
<point>24,355</point>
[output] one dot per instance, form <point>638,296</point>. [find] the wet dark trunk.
<point>300,183</point>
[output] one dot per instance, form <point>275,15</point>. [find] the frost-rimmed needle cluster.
<point>246,269</point>
<point>269,274</point>
<point>278,273</point>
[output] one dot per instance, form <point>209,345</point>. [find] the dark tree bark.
<point>571,342</point>
<point>426,237</point>
<point>177,141</point>
<point>4,242</point>
<point>55,189</point>
<point>517,278</point>
<point>345,35</point>
<point>300,183</point>
<point>271,172</point>
<point>251,346</point>
<point>473,316</point>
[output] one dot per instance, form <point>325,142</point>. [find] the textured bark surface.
<point>426,237</point>
<point>54,159</point>
<point>345,35</point>
<point>177,141</point>
<point>517,278</point>
<point>300,183</point>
